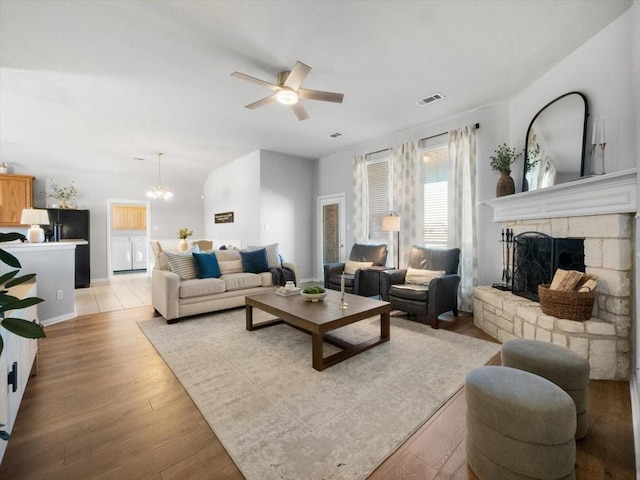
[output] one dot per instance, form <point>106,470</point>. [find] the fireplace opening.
<point>537,256</point>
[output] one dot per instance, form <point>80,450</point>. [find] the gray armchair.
<point>427,302</point>
<point>357,283</point>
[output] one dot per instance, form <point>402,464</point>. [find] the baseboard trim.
<point>60,318</point>
<point>635,416</point>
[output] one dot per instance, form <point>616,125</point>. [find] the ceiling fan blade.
<point>300,112</point>
<point>257,81</point>
<point>319,95</point>
<point>260,103</point>
<point>297,75</point>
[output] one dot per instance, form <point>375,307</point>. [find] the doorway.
<point>127,237</point>
<point>331,230</point>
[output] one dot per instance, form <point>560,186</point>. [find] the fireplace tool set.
<point>506,239</point>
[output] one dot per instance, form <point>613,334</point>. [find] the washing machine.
<point>139,253</point>
<point>121,254</point>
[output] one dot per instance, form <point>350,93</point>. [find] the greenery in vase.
<point>184,233</point>
<point>503,158</point>
<point>69,192</point>
<point>17,326</point>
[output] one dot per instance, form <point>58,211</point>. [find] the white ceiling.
<point>94,84</point>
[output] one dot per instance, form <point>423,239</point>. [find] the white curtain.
<point>407,196</point>
<point>462,209</point>
<point>360,200</point>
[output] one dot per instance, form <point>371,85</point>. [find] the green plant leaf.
<point>4,435</point>
<point>9,259</point>
<point>8,276</point>
<point>19,280</point>
<point>19,304</point>
<point>10,236</point>
<point>23,328</point>
<point>1,347</point>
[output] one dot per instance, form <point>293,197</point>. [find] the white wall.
<point>271,195</point>
<point>287,200</point>
<point>234,187</point>
<point>602,70</point>
<point>185,209</point>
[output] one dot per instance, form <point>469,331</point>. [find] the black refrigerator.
<point>73,224</point>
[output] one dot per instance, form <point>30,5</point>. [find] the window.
<point>435,174</point>
<point>379,192</point>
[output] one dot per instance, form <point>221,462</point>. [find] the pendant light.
<point>160,190</point>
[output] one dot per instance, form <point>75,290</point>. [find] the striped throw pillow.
<point>182,265</point>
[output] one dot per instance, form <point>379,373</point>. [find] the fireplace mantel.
<point>595,195</point>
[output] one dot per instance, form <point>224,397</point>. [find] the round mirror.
<point>555,143</point>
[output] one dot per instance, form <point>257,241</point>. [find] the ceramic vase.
<point>183,245</point>
<point>505,185</point>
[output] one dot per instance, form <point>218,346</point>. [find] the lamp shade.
<point>35,217</point>
<point>391,223</point>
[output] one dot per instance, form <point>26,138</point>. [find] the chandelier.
<point>160,190</point>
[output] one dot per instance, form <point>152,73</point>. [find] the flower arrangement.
<point>503,158</point>
<point>184,233</point>
<point>63,194</point>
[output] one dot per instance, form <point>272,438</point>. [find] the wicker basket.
<point>570,305</point>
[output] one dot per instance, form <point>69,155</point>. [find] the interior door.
<point>331,230</point>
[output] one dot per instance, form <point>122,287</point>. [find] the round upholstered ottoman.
<point>567,369</point>
<point>520,426</point>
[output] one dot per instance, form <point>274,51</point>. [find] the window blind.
<point>379,187</point>
<point>435,174</point>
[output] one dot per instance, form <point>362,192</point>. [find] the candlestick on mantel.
<point>595,129</point>
<point>602,139</point>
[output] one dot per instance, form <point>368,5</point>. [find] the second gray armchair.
<point>428,287</point>
<point>355,281</point>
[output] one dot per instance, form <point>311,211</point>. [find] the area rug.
<point>280,419</point>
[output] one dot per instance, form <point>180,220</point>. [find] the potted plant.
<point>501,161</point>
<point>17,326</point>
<point>63,195</point>
<point>183,234</point>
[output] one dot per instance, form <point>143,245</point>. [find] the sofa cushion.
<point>201,286</point>
<point>266,278</point>
<point>410,292</point>
<point>254,261</point>
<point>227,255</point>
<point>207,265</point>
<point>273,257</point>
<point>350,266</point>
<point>240,281</point>
<point>417,276</point>
<point>233,266</point>
<point>181,264</point>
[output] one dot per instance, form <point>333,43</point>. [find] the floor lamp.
<point>391,223</point>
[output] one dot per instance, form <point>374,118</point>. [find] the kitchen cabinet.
<point>18,357</point>
<point>16,194</point>
<point>128,217</point>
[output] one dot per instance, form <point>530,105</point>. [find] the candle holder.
<point>593,158</point>
<point>602,147</point>
<point>343,305</point>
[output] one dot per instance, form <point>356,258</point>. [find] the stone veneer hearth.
<point>599,210</point>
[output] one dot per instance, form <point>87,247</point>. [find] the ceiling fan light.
<point>287,96</point>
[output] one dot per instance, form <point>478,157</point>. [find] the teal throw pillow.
<point>207,265</point>
<point>254,261</point>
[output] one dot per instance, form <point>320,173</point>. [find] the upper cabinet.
<point>127,217</point>
<point>16,194</point>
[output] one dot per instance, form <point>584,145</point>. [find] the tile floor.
<point>121,292</point>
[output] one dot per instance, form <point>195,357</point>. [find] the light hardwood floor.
<point>105,406</point>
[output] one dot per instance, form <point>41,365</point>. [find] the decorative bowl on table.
<point>313,297</point>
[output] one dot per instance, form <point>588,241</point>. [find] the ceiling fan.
<point>287,90</point>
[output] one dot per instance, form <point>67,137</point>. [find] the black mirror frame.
<point>584,135</point>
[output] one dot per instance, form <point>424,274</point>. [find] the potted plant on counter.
<point>64,195</point>
<point>501,162</point>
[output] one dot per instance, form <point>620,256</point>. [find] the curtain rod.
<point>421,140</point>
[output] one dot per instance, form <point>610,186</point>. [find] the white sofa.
<point>175,297</point>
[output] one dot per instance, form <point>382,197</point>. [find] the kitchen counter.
<point>68,243</point>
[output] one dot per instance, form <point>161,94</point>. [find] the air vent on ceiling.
<point>430,99</point>
<point>335,135</point>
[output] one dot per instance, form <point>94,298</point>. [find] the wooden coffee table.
<point>320,318</point>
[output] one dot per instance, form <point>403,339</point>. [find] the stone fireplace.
<point>600,212</point>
